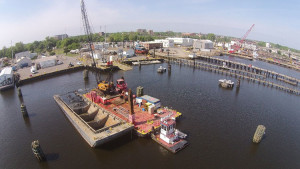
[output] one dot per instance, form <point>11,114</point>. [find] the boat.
<point>169,137</point>
<point>226,83</point>
<point>95,124</point>
<point>259,133</point>
<point>7,79</point>
<point>161,69</point>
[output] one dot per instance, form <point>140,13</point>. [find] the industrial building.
<point>47,61</point>
<point>182,41</point>
<point>60,37</point>
<point>141,31</point>
<point>150,32</point>
<point>152,45</point>
<point>167,43</point>
<point>24,62</point>
<point>203,44</point>
<point>27,54</point>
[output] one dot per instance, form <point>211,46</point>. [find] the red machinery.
<point>236,47</point>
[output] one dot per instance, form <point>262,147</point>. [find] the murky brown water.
<point>220,125</point>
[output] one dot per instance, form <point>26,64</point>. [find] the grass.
<point>60,51</point>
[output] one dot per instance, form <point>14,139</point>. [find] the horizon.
<point>35,20</point>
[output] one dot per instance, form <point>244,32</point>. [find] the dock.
<point>242,71</point>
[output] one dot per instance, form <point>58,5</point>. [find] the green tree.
<point>66,50</point>
<point>211,36</point>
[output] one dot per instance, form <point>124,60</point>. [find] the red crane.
<point>237,46</point>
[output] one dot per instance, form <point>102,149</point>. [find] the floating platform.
<point>259,133</point>
<point>144,122</point>
<point>95,124</point>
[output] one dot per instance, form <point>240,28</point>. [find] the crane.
<point>237,46</point>
<point>105,86</point>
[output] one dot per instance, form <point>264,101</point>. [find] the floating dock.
<point>96,125</point>
<point>259,133</point>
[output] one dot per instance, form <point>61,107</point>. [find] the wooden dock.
<point>243,71</point>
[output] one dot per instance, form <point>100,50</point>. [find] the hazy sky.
<point>275,21</point>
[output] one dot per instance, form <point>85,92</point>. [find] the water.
<point>220,124</point>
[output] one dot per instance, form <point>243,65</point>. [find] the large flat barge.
<point>95,124</point>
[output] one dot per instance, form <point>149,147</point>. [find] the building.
<point>188,34</point>
<point>60,37</point>
<point>24,62</point>
<point>47,61</point>
<point>141,31</point>
<point>27,54</point>
<point>152,45</point>
<point>167,43</point>
<point>150,32</point>
<point>6,76</point>
<point>268,45</point>
<point>182,41</point>
<point>101,33</point>
<point>203,44</point>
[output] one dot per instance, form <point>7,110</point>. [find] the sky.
<point>29,20</point>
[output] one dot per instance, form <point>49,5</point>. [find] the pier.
<point>241,71</point>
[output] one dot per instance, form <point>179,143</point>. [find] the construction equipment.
<point>106,86</point>
<point>236,47</point>
<point>88,33</point>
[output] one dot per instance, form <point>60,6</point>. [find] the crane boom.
<point>246,34</point>
<point>88,33</point>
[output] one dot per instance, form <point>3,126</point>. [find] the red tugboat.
<point>169,137</point>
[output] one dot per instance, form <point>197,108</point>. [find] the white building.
<point>47,61</point>
<point>24,62</point>
<point>249,46</point>
<point>167,43</point>
<point>99,46</point>
<point>182,41</point>
<point>268,45</point>
<point>6,76</point>
<point>203,44</point>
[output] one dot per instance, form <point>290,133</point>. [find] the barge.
<point>95,124</point>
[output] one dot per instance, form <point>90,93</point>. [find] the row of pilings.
<point>241,71</point>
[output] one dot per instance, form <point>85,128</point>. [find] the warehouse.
<point>47,61</point>
<point>24,62</point>
<point>203,44</point>
<point>167,43</point>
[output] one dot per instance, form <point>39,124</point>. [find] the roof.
<point>150,99</point>
<point>168,122</point>
<point>7,71</point>
<point>46,59</point>
<point>22,59</point>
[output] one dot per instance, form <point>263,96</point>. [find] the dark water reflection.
<point>220,124</point>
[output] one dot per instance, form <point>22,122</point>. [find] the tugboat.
<point>226,83</point>
<point>161,69</point>
<point>169,137</point>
